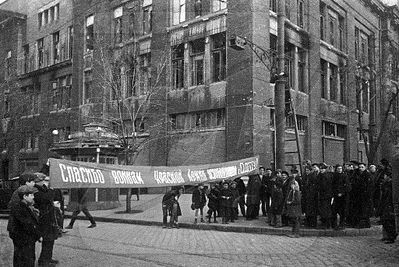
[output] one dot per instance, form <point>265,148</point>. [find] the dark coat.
<point>253,189</point>
<point>311,194</point>
<point>240,186</point>
<point>277,196</point>
<point>266,186</point>
<point>361,194</point>
<point>386,210</point>
<point>44,202</point>
<point>24,224</point>
<point>169,199</point>
<point>226,197</point>
<point>325,194</point>
<point>198,198</point>
<point>340,184</point>
<point>236,197</point>
<point>292,205</point>
<point>213,199</point>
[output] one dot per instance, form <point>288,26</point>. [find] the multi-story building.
<point>196,99</point>
<point>42,101</point>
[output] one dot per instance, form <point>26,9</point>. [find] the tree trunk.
<point>128,200</point>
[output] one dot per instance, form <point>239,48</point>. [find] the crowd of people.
<point>323,197</point>
<point>36,215</point>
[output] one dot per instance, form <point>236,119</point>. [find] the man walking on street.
<point>81,206</point>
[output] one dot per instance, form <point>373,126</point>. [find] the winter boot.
<point>195,221</point>
<point>269,218</point>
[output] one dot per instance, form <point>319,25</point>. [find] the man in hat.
<point>325,195</point>
<point>25,179</point>
<point>24,228</point>
<point>311,196</point>
<point>44,202</point>
<point>341,188</point>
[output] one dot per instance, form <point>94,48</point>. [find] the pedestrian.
<point>324,181</point>
<point>235,200</point>
<point>277,198</point>
<point>374,188</point>
<point>81,206</point>
<point>213,202</point>
<point>198,202</point>
<point>226,199</point>
<point>44,202</point>
<point>311,189</point>
<point>265,194</point>
<point>59,202</point>
<point>24,228</point>
<point>361,197</point>
<point>241,191</point>
<point>386,210</point>
<point>176,210</point>
<point>253,197</point>
<point>340,188</point>
<point>292,206</point>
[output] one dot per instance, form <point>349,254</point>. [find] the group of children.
<point>223,201</point>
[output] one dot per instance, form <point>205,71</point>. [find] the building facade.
<point>163,75</point>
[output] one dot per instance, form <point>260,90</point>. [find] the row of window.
<point>61,92</point>
<point>291,8</point>
<point>290,122</point>
<point>31,102</point>
<point>198,120</point>
<point>47,51</point>
<point>183,10</point>
<point>333,129</point>
<point>48,15</point>
<point>196,52</point>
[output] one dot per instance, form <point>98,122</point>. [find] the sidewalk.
<point>148,211</point>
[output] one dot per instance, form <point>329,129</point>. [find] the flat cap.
<point>24,189</point>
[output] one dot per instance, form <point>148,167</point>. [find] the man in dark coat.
<point>253,198</point>
<point>241,191</point>
<point>365,196</point>
<point>44,202</point>
<point>266,193</point>
<point>341,188</point>
<point>386,210</point>
<point>199,201</point>
<point>171,206</point>
<point>213,202</point>
<point>325,195</point>
<point>81,206</point>
<point>226,200</point>
<point>311,188</point>
<point>24,228</point>
<point>277,199</point>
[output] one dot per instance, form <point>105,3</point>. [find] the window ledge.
<point>197,130</point>
<point>206,17</point>
<point>333,138</point>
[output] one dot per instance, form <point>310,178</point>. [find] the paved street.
<point>134,245</point>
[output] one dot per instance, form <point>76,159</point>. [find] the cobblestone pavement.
<point>112,244</point>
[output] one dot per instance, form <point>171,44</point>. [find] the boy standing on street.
<point>24,228</point>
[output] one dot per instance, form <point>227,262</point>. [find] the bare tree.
<point>132,95</point>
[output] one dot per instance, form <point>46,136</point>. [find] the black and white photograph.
<point>190,133</point>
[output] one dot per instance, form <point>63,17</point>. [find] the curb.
<point>240,228</point>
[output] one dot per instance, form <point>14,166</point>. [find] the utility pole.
<point>279,89</point>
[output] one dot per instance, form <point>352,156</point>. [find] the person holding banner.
<point>82,206</point>
<point>171,206</point>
